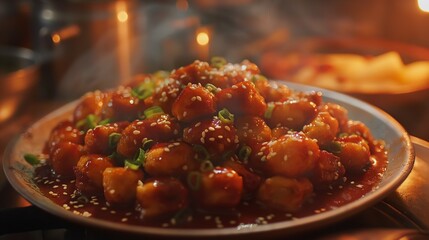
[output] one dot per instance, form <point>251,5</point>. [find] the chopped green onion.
<point>194,180</point>
<point>334,147</point>
<point>141,157</point>
<point>82,199</point>
<point>212,88</point>
<point>91,121</point>
<point>153,111</point>
<point>206,166</point>
<point>201,154</point>
<point>131,165</point>
<point>115,156</point>
<point>114,139</point>
<point>104,121</point>
<point>144,90</point>
<point>31,159</point>
<point>269,112</point>
<point>218,62</point>
<point>147,144</point>
<point>137,162</point>
<point>244,153</point>
<point>225,116</point>
<point>258,77</point>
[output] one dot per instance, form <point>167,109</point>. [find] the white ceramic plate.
<point>401,159</point>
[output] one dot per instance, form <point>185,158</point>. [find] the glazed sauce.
<point>63,193</point>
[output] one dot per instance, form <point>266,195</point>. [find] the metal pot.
<point>19,76</point>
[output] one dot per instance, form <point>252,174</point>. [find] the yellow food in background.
<point>352,72</point>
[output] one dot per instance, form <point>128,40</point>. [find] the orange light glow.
<point>423,5</point>
<point>122,16</point>
<point>203,38</point>
<point>56,38</point>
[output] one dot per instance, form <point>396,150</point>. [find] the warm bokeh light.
<point>203,38</point>
<point>122,16</point>
<point>56,38</point>
<point>423,5</point>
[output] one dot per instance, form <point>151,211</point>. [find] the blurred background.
<point>54,51</point>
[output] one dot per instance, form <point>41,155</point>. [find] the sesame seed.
<point>199,98</point>
<point>227,128</point>
<point>211,128</point>
<point>212,139</point>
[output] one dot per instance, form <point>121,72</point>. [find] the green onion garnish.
<point>144,90</point>
<point>201,154</point>
<point>258,77</point>
<point>206,166</point>
<point>218,62</point>
<point>244,153</point>
<point>31,159</point>
<point>91,121</point>
<point>141,157</point>
<point>104,121</point>
<point>225,116</point>
<point>194,180</point>
<point>212,88</point>
<point>147,144</point>
<point>137,162</point>
<point>334,147</point>
<point>131,165</point>
<point>82,199</point>
<point>153,111</point>
<point>269,112</point>
<point>114,139</point>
